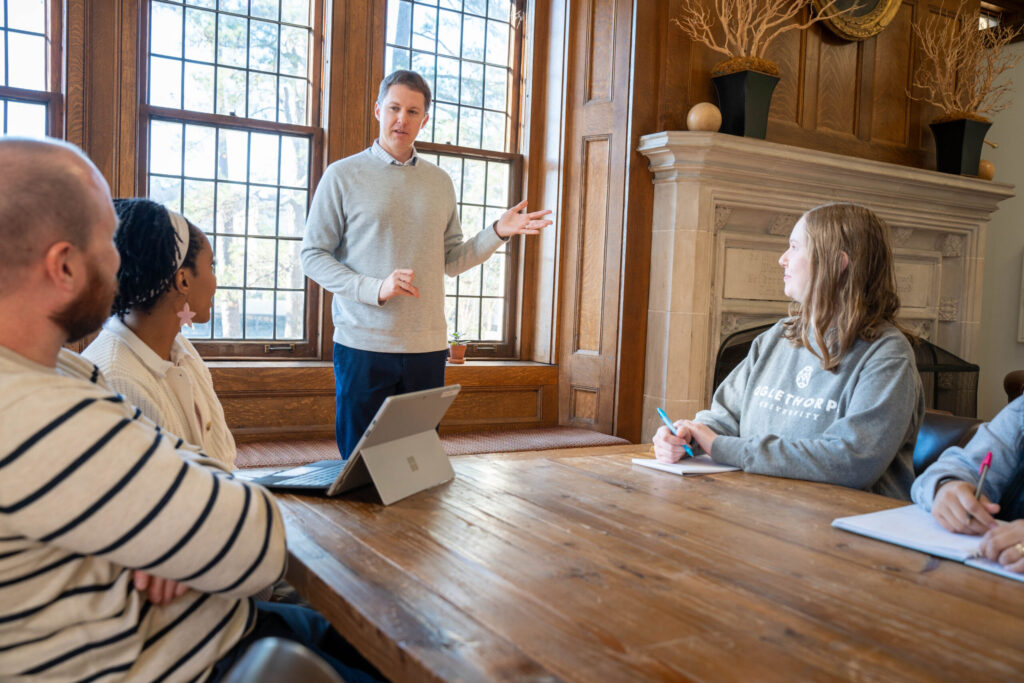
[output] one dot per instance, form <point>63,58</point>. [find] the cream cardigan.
<point>178,394</point>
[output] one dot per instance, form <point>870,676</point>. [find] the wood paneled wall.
<point>834,95</point>
<point>596,151</point>
<point>297,400</point>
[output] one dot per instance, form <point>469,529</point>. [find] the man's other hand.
<point>399,283</point>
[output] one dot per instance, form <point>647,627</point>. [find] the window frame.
<point>308,348</point>
<point>53,95</point>
<point>509,348</point>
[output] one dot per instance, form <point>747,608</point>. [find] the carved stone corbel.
<point>722,214</point>
<point>949,309</point>
<point>782,223</point>
<point>952,246</point>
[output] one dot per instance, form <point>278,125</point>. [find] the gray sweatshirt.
<point>369,218</point>
<point>779,413</point>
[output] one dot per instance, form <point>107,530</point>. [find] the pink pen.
<point>983,470</point>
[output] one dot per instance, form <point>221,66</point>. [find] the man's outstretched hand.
<point>512,222</point>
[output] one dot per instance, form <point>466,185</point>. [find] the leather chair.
<point>938,432</point>
<point>1013,384</point>
<point>270,660</point>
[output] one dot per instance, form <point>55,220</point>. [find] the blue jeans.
<point>305,626</point>
<point>363,379</point>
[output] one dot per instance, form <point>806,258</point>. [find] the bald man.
<point>124,553</point>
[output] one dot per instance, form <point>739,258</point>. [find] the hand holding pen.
<point>960,507</point>
<point>671,446</point>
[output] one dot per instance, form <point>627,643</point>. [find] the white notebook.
<point>912,527</point>
<point>698,464</point>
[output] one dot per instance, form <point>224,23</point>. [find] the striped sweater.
<point>89,490</point>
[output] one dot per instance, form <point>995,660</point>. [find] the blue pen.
<point>672,428</point>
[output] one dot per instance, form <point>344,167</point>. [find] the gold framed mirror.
<point>866,19</point>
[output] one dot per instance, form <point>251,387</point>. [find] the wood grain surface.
<point>577,565</point>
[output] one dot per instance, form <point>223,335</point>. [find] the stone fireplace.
<point>723,209</point>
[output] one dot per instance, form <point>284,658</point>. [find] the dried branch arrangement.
<point>747,28</point>
<point>962,64</point>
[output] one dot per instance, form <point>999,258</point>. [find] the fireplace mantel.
<point>723,209</point>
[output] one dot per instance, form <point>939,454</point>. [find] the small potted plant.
<point>958,74</point>
<point>746,80</point>
<point>457,348</point>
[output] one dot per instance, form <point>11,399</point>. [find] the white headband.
<point>181,233</point>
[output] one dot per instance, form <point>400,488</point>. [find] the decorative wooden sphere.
<point>704,116</point>
<point>986,170</point>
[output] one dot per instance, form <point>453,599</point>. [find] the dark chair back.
<point>733,350</point>
<point>938,432</point>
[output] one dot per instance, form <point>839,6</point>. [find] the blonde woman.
<point>831,393</point>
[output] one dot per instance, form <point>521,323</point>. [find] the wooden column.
<point>102,87</point>
<point>593,198</point>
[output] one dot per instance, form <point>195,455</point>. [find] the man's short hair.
<point>45,197</point>
<point>410,79</point>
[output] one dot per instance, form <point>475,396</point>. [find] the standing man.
<point>383,229</point>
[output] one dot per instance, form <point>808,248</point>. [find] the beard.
<point>87,312</point>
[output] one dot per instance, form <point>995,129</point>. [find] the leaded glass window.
<point>230,144</point>
<point>468,51</point>
<point>28,86</point>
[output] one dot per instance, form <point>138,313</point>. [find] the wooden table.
<point>578,565</point>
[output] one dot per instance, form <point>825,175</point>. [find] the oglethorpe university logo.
<point>781,401</point>
<point>803,378</point>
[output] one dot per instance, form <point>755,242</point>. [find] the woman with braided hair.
<point>166,280</point>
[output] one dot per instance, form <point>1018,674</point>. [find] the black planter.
<point>958,145</point>
<point>745,98</point>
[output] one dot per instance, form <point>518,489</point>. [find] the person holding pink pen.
<point>961,492</point>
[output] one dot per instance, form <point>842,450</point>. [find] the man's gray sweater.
<point>369,218</point>
<point>780,413</point>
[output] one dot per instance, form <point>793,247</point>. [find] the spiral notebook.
<point>912,527</point>
<point>699,464</point>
